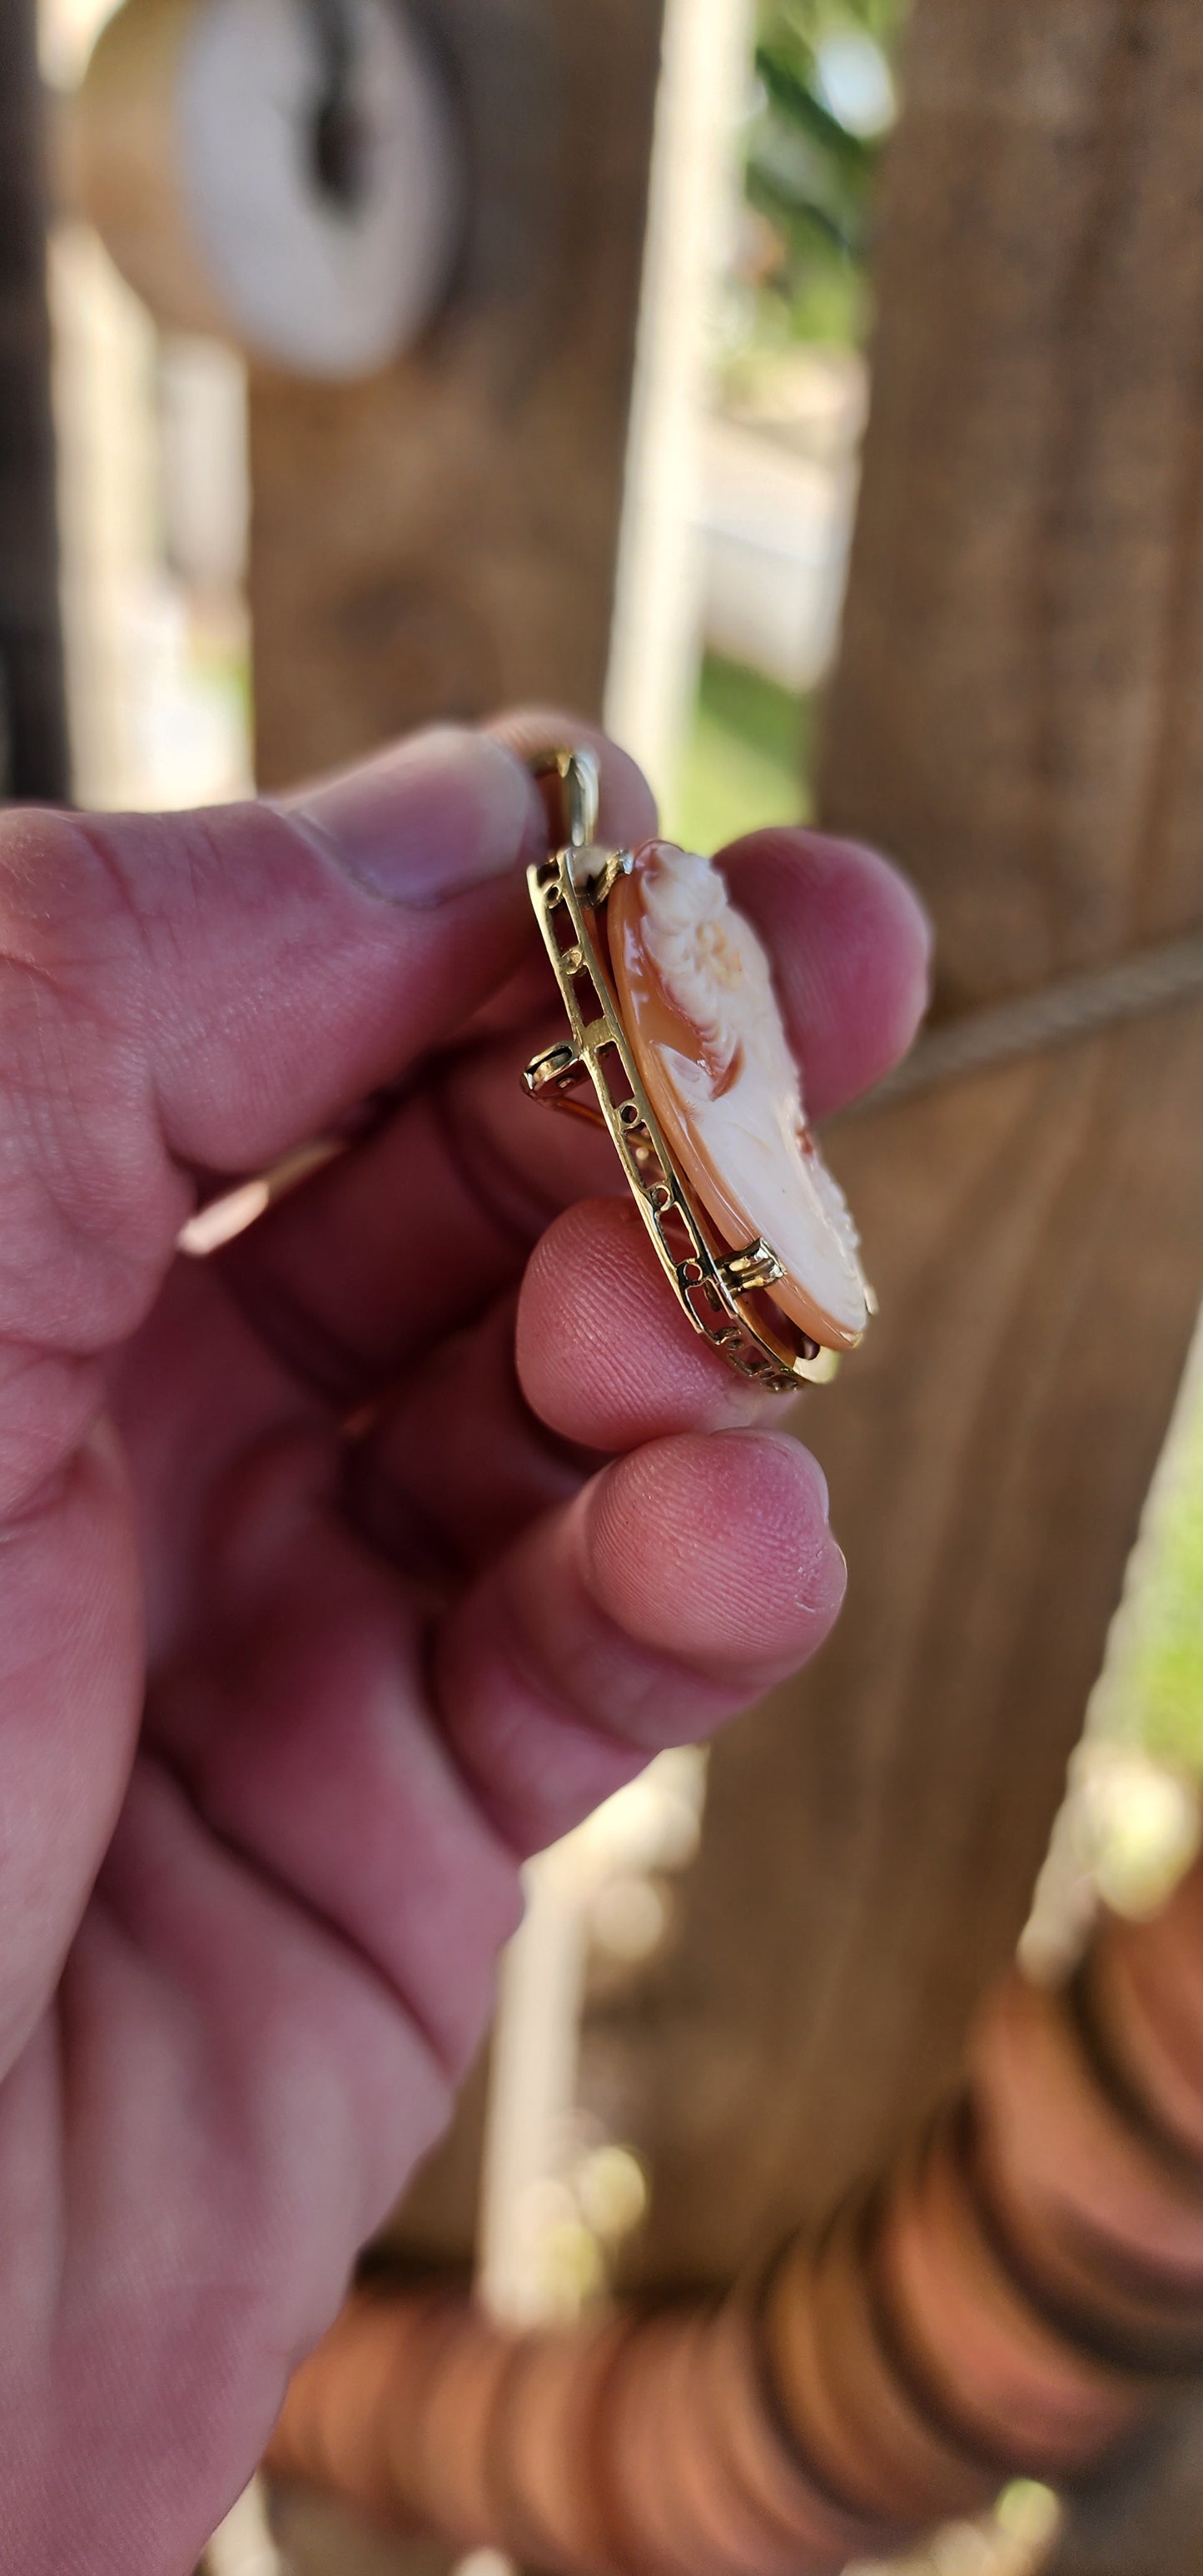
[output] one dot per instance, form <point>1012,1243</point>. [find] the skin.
<point>316,1613</point>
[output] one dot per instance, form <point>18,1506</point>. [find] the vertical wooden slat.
<point>443,538</point>
<point>1018,712</point>
<point>33,732</point>
<point>1145,2517</point>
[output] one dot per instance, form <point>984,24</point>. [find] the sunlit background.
<point>153,441</point>
<point>154,501</point>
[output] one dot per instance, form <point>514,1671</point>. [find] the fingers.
<point>605,1356</point>
<point>397,1245</point>
<point>298,956</point>
<point>851,951</point>
<point>300,1730</point>
<point>471,1163</point>
<point>686,1579</point>
<point>70,1696</point>
<point>455,1464</point>
<point>412,1235</point>
<point>190,1393</point>
<point>605,1361</point>
<point>850,947</point>
<point>207,988</point>
<point>198,990</point>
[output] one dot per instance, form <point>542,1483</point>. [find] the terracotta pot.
<point>1006,2299</point>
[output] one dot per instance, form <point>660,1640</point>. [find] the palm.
<point>384,1630</point>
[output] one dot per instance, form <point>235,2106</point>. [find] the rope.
<point>1076,1006</point>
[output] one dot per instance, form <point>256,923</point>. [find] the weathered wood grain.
<point>873,1833</point>
<point>1144,2517</point>
<point>442,539</point>
<point>318,2538</point>
<point>1018,712</point>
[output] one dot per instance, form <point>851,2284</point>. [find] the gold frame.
<point>713,1286</point>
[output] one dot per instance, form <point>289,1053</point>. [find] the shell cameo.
<point>703,1022</point>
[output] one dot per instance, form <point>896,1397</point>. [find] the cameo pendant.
<point>677,1046</point>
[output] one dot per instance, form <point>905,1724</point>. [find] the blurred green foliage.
<point>823,103</point>
<point>1157,1699</point>
<point>745,760</point>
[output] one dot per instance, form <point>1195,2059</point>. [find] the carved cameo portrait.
<point>703,1020</point>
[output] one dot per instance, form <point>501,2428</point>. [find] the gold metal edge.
<point>551,885</point>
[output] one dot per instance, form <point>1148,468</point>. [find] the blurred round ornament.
<point>283,173</point>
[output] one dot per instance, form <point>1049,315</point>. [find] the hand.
<point>315,1616</point>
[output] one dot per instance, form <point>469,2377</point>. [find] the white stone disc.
<point>321,289</point>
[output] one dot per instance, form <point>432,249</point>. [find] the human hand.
<point>315,1617</point>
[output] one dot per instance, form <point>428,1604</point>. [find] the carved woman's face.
<point>704,1022</point>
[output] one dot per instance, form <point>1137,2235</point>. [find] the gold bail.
<point>580,789</point>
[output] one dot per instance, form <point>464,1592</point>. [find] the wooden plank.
<point>1145,2515</point>
<point>1017,708</point>
<point>443,538</point>
<point>318,2538</point>
<point>873,1833</point>
<point>33,731</point>
<point>1019,712</point>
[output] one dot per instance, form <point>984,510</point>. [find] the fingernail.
<point>430,818</point>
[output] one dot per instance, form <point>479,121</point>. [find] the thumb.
<point>301,952</point>
<point>207,989</point>
<point>185,989</point>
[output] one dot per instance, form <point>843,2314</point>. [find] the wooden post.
<point>1145,2518</point>
<point>443,538</point>
<point>1018,713</point>
<point>33,731</point>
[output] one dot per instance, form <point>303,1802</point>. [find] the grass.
<point>746,759</point>
<point>1154,1694</point>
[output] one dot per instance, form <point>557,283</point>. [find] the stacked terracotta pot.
<point>1011,2298</point>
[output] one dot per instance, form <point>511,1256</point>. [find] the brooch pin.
<point>677,1048</point>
